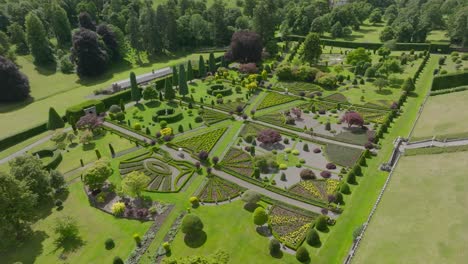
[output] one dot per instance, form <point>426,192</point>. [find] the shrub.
<point>351,179</point>
<point>338,198</point>
<point>317,150</point>
<point>274,246</point>
<point>115,109</point>
<point>198,119</point>
<point>321,223</point>
<point>313,238</point>
<point>166,246</point>
<point>203,155</point>
<point>251,197</point>
<point>260,217</point>
<point>295,152</point>
<point>287,150</point>
<point>194,200</point>
<point>137,239</point>
<point>283,166</point>
<point>345,188</point>
<point>305,148</point>
<point>331,166</point>
<point>302,254</point>
<point>109,243</point>
<point>283,176</point>
<point>307,174</point>
<point>137,126</point>
<point>249,68</point>
<point>191,224</point>
<point>286,140</point>
<point>325,174</point>
<point>117,260</point>
<point>118,208</point>
<point>163,124</point>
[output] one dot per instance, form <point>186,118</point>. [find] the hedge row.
<point>450,90</point>
<point>432,47</point>
<point>23,135</point>
<point>74,113</point>
<point>421,67</point>
<point>449,81</point>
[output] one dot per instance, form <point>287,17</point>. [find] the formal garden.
<point>225,132</point>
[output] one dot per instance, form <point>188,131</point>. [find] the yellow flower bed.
<point>282,220</point>
<point>332,186</point>
<point>166,131</point>
<point>310,187</point>
<point>297,236</point>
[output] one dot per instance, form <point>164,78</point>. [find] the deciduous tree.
<point>38,41</point>
<point>134,183</point>
<point>15,85</point>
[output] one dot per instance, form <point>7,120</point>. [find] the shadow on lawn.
<point>195,240</point>
<point>69,245</point>
<point>28,251</point>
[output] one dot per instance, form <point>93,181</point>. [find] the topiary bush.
<point>330,166</point>
<point>117,260</point>
<point>313,238</point>
<point>317,150</point>
<point>283,166</point>
<point>203,155</point>
<point>295,152</point>
<point>345,188</point>
<point>302,254</point>
<point>325,174</point>
<point>321,223</point>
<point>307,174</point>
<point>351,179</point>
<point>194,201</point>
<point>274,247</point>
<point>338,198</point>
<point>109,243</point>
<point>191,224</point>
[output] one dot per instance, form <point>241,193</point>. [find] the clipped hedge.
<point>219,89</point>
<point>170,115</point>
<point>12,140</point>
<point>450,90</point>
<point>450,81</point>
<point>76,111</point>
<point>114,99</point>
<point>50,152</point>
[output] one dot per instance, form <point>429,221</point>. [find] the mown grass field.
<point>443,115</point>
<point>420,218</point>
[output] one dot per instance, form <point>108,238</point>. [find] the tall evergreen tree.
<point>183,88</point>
<point>38,41</point>
<point>61,26</point>
<point>216,15</point>
<point>55,121</point>
<point>133,33</point>
<point>135,92</point>
<point>312,48</point>
<point>148,30</point>
<point>171,25</point>
<point>212,63</point>
<point>189,71</point>
<point>201,67</point>
<point>161,25</point>
<point>169,93</point>
<point>18,37</point>
<point>264,20</point>
<point>175,76</point>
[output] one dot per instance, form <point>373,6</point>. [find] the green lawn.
<point>61,91</point>
<point>7,152</point>
<point>420,218</point>
<point>95,227</point>
<point>443,117</point>
<point>367,33</point>
<point>230,228</point>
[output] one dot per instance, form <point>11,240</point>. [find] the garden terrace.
<point>217,190</point>
<point>290,226</point>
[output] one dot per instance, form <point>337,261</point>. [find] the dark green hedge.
<point>21,136</point>
<point>50,152</point>
<point>449,81</point>
<point>219,89</point>
<point>76,111</point>
<point>173,116</point>
<point>114,99</point>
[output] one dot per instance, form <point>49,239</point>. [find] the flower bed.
<point>238,161</point>
<point>341,155</point>
<point>272,99</point>
<point>202,142</point>
<point>218,190</point>
<point>289,226</point>
<point>213,117</point>
<point>316,189</point>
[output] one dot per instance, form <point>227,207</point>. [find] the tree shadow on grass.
<point>89,146</point>
<point>47,70</point>
<point>195,240</point>
<point>68,246</point>
<point>10,107</point>
<point>277,255</point>
<point>28,251</point>
<point>384,92</point>
<point>263,231</point>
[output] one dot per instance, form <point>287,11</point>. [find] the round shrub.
<point>325,174</point>
<point>260,217</point>
<point>115,109</point>
<point>330,166</point>
<point>137,126</point>
<point>283,166</point>
<point>118,208</point>
<point>117,260</point>
<point>137,239</point>
<point>250,197</point>
<point>286,140</point>
<point>307,174</point>
<point>109,243</point>
<point>193,200</point>
<point>215,160</point>
<point>345,188</point>
<point>203,155</point>
<point>166,246</point>
<point>302,254</point>
<point>317,150</point>
<point>369,145</point>
<point>321,223</point>
<point>313,238</point>
<point>191,224</point>
<point>198,119</point>
<point>163,124</point>
<point>338,198</point>
<point>295,152</point>
<point>274,246</point>
<point>287,150</point>
<point>302,161</point>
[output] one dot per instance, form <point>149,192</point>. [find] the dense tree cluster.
<point>15,85</point>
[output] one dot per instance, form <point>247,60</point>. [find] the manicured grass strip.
<point>435,150</point>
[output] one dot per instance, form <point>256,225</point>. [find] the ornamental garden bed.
<point>218,190</point>
<point>238,161</point>
<point>321,189</point>
<point>198,142</point>
<point>273,99</point>
<point>290,226</point>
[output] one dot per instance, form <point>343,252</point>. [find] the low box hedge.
<point>219,89</point>
<point>170,115</point>
<point>50,152</point>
